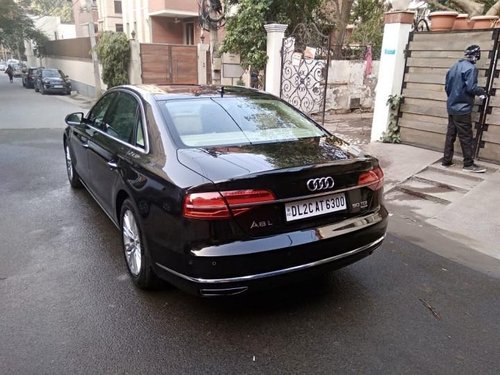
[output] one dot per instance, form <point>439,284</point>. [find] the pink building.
<point>162,21</point>
<point>83,12</point>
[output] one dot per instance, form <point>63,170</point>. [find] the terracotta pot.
<point>442,21</point>
<point>462,22</point>
<point>484,22</point>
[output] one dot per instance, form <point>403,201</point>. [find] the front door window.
<point>96,115</point>
<point>122,119</point>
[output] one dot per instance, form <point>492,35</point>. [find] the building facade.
<point>84,14</point>
<point>162,21</point>
<point>110,15</point>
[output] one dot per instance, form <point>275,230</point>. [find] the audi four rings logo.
<point>322,183</point>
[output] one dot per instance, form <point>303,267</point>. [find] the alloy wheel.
<point>132,243</point>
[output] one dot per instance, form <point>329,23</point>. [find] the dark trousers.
<point>460,125</point>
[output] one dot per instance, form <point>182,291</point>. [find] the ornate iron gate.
<point>305,58</point>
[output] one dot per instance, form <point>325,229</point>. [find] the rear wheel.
<point>134,248</point>
<point>73,178</point>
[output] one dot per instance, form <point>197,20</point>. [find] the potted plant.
<point>442,21</point>
<point>462,22</point>
<point>484,22</point>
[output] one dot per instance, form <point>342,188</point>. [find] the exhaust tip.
<point>223,292</point>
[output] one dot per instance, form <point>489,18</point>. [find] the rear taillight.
<point>373,178</point>
<point>215,205</point>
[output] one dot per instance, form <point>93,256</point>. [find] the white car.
<point>3,67</point>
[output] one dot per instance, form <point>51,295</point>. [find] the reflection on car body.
<point>211,187</point>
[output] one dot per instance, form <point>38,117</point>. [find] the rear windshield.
<point>207,122</point>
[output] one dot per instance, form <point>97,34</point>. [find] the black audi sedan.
<point>222,190</point>
<point>51,80</point>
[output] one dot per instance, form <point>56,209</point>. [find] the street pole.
<point>214,53</point>
<point>95,61</point>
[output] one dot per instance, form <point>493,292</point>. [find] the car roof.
<point>166,92</point>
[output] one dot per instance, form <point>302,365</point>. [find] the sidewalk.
<point>463,206</point>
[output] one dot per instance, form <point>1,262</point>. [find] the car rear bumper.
<point>278,259</point>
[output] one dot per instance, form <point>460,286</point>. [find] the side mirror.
<point>74,119</point>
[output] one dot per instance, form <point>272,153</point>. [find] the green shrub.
<point>113,51</point>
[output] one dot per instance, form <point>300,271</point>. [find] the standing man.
<point>461,87</point>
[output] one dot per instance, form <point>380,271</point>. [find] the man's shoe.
<point>449,164</point>
<point>474,169</point>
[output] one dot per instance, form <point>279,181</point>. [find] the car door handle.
<point>112,164</point>
<point>85,145</point>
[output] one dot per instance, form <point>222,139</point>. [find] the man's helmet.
<point>473,53</point>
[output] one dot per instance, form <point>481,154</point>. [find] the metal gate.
<point>423,116</point>
<point>305,58</point>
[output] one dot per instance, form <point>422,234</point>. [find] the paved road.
<point>22,108</point>
<point>67,306</point>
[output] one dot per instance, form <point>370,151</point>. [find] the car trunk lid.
<point>313,181</point>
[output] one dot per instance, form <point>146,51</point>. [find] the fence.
<point>423,116</point>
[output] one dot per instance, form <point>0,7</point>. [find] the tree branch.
<point>470,7</point>
<point>440,6</point>
<point>494,10</point>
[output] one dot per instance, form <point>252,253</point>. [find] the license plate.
<point>58,86</point>
<point>315,206</point>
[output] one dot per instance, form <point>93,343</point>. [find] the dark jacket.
<point>461,87</point>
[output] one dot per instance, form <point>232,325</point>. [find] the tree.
<point>245,33</point>
<point>113,50</point>
<point>60,8</point>
<point>471,7</point>
<point>337,13</point>
<point>16,27</point>
<point>368,18</point>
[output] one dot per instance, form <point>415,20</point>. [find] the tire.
<point>73,177</point>
<point>134,247</point>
